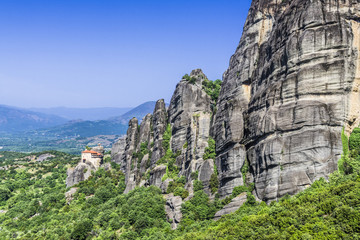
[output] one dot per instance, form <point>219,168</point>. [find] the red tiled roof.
<point>92,152</point>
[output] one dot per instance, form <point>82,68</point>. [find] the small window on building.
<point>84,160</point>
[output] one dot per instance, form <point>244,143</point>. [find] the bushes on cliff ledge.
<point>350,159</point>
<point>212,88</point>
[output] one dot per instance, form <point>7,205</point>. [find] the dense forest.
<point>33,206</point>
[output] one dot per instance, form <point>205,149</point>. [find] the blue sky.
<point>86,53</point>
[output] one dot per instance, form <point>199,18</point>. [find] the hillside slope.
<point>15,120</point>
<point>112,126</point>
<point>89,114</point>
<point>33,205</point>
<point>69,136</point>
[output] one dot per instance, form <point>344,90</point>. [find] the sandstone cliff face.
<point>291,86</point>
<point>117,150</point>
<point>134,162</point>
<point>81,172</point>
<point>173,210</point>
<point>190,119</point>
<point>127,164</point>
<point>145,131</point>
<point>159,125</point>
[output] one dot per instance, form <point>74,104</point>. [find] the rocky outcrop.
<point>173,210</point>
<point>292,85</point>
<point>145,135</point>
<point>44,157</point>
<point>234,205</point>
<point>229,125</point>
<point>91,160</point>
<point>81,172</point>
<point>286,95</point>
<point>156,175</point>
<point>190,118</point>
<point>205,170</point>
<point>189,107</point>
<point>118,149</point>
<point>128,163</point>
<point>159,123</point>
<point>69,195</point>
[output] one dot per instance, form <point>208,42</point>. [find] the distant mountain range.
<point>112,126</point>
<point>90,114</point>
<point>139,112</point>
<point>25,130</point>
<point>14,119</point>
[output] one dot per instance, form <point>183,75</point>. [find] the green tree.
<point>82,229</point>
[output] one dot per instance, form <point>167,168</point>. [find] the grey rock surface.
<point>128,163</point>
<point>44,157</point>
<point>290,88</point>
<point>187,102</point>
<point>69,195</point>
<point>165,185</point>
<point>156,174</point>
<point>234,205</point>
<point>118,149</point>
<point>107,166</point>
<point>159,123</point>
<point>190,118</point>
<point>81,172</point>
<point>292,85</point>
<point>173,210</point>
<point>206,169</point>
<point>145,130</point>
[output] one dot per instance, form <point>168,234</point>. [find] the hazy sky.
<point>87,53</point>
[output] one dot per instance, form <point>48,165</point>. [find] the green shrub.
<point>214,183</point>
<point>239,189</point>
<point>180,191</point>
<point>350,161</point>
<point>194,175</point>
<point>197,208</point>
<point>198,185</point>
<point>178,183</point>
<point>181,180</point>
<point>5,193</point>
<point>166,138</point>
<point>212,88</point>
<point>192,80</point>
<point>354,140</point>
<point>82,229</point>
<point>244,170</point>
<point>210,150</point>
